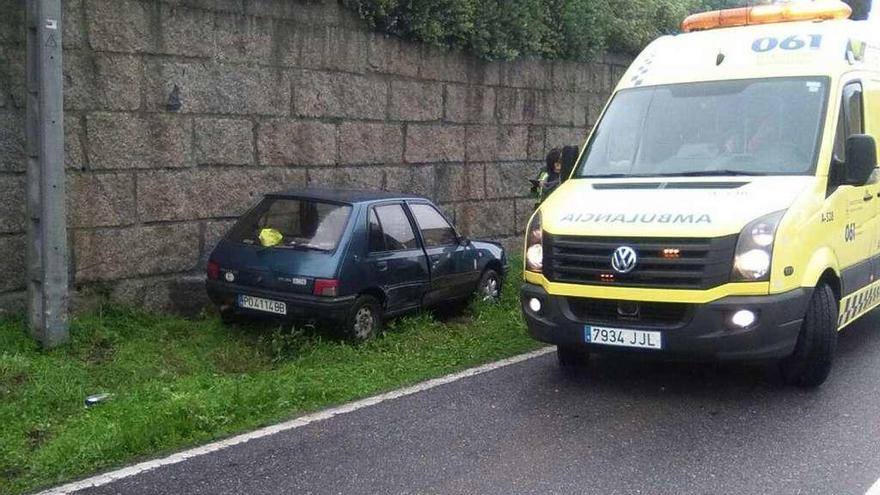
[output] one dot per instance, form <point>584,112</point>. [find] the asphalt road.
<point>622,427</point>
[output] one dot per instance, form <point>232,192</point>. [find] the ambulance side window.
<point>850,121</point>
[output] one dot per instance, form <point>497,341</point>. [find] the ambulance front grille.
<point>639,313</point>
<point>666,263</point>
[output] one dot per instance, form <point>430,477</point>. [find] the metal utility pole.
<point>46,199</point>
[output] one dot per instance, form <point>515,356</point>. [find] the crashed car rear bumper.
<point>300,307</point>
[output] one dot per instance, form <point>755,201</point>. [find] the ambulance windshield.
<point>744,127</point>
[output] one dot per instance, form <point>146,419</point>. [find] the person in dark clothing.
<point>549,178</point>
<point>569,156</point>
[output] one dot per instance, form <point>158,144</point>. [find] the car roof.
<point>349,196</point>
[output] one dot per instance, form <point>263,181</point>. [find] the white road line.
<point>105,478</point>
<point>875,489</point>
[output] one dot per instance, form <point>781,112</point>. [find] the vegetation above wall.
<point>552,29</point>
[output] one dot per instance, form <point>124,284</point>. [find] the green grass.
<point>176,383</point>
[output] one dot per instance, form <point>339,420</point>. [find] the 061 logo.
<point>849,232</point>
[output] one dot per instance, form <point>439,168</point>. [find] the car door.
<point>855,237</point>
<point>395,259</point>
<point>452,262</point>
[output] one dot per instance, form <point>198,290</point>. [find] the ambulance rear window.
<point>745,127</point>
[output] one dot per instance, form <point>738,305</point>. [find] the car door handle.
<point>435,258</point>
<point>382,265</point>
<point>868,197</point>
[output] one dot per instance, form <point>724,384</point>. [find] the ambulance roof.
<point>808,48</point>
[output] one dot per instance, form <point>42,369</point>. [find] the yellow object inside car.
<point>270,237</point>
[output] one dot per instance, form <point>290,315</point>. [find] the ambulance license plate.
<point>622,337</point>
<point>260,304</point>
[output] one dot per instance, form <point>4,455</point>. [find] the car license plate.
<point>260,304</point>
<point>622,337</point>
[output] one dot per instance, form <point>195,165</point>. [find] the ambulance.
<point>726,205</point>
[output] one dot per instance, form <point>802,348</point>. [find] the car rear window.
<point>303,224</point>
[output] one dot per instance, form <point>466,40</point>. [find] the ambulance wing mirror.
<point>861,158</point>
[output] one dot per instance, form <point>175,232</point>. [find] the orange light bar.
<point>768,14</point>
<point>671,253</point>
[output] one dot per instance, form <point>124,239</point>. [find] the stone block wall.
<point>180,113</point>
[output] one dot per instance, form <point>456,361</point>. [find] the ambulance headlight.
<point>754,249</point>
<point>753,264</point>
<point>534,247</point>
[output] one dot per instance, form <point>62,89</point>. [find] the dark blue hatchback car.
<point>347,258</point>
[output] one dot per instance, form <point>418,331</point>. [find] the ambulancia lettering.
<point>681,218</point>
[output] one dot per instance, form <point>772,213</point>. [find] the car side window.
<point>436,231</point>
<point>376,236</point>
<point>390,229</point>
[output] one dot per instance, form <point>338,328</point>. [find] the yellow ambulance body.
<point>725,206</point>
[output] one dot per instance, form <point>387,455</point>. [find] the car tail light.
<point>213,270</point>
<point>325,287</point>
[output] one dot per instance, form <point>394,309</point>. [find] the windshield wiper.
<point>304,247</point>
<point>611,176</point>
<point>689,173</point>
<point>700,173</point>
<point>309,247</point>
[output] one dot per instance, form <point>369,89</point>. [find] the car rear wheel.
<point>572,357</point>
<point>813,355</point>
<point>228,316</point>
<point>364,319</point>
<point>489,288</point>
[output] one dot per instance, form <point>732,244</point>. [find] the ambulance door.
<point>871,123</point>
<point>855,236</point>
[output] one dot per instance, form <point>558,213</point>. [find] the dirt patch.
<point>237,361</point>
<point>100,351</point>
<point>10,473</point>
<point>37,436</point>
<point>9,385</point>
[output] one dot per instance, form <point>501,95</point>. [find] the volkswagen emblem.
<point>624,259</point>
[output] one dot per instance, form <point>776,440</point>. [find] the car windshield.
<point>747,127</point>
<point>300,223</point>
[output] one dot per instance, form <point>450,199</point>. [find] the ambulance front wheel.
<point>813,355</point>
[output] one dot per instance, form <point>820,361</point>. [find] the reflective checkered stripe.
<point>858,303</point>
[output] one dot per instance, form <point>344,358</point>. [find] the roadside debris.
<point>93,400</point>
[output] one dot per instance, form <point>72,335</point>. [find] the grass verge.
<point>176,383</point>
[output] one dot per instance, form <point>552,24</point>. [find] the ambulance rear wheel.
<point>813,355</point>
<point>572,357</point>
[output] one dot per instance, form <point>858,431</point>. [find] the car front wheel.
<point>489,288</point>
